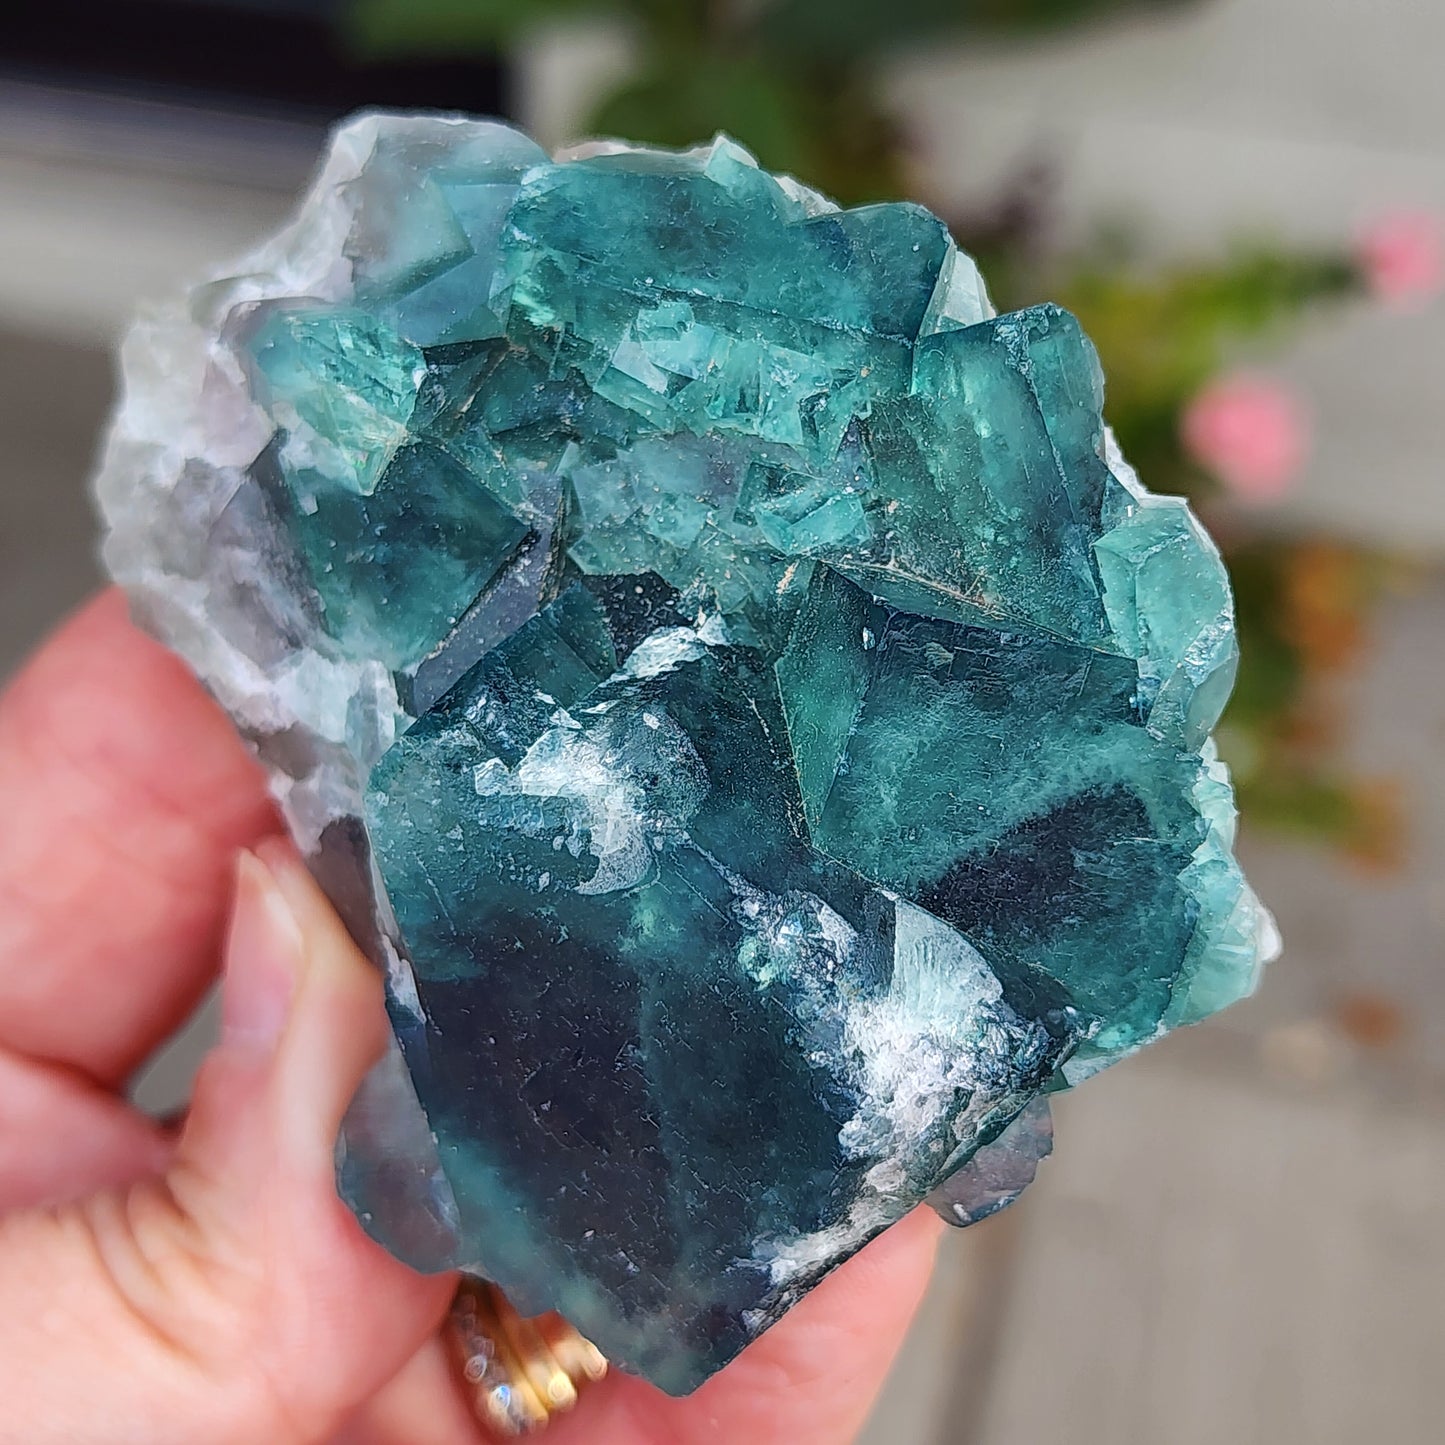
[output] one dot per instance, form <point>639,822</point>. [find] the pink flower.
<point>1251,432</point>
<point>1402,256</point>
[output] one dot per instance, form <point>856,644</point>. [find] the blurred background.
<point>1240,1234</point>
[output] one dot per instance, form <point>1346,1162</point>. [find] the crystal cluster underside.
<point>727,677</point>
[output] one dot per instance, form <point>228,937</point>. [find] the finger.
<point>421,1405</point>
<point>61,1137</point>
<point>124,794</point>
<point>237,1300</point>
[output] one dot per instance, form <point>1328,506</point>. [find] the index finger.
<point>124,795</point>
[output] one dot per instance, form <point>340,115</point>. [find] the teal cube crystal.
<point>724,674</point>
<point>344,382</point>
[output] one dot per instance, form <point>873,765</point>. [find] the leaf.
<point>833,137</point>
<point>381,28</point>
<point>681,101</point>
<point>835,31</point>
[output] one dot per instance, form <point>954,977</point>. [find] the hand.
<point>164,1287</point>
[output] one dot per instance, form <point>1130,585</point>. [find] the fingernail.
<point>263,960</point>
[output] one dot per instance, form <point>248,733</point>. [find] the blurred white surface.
<point>1214,1259</point>
<point>105,205</point>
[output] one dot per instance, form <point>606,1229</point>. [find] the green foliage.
<point>378,28</point>
<point>1313,807</point>
<point>671,104</point>
<point>1272,672</point>
<point>832,136</point>
<point>837,29</point>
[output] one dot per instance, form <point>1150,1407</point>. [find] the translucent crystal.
<point>999,1171</point>
<point>724,675</point>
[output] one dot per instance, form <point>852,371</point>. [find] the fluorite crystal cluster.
<point>725,675</point>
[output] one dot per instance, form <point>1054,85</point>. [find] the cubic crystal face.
<point>723,673</point>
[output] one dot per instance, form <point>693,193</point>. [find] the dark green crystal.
<point>801,713</point>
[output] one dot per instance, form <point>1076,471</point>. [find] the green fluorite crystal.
<point>726,675</point>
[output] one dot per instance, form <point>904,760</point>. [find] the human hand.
<point>164,1287</point>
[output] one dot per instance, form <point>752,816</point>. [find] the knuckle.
<point>200,1310</point>
<point>155,1263</point>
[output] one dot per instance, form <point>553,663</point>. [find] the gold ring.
<point>516,1372</point>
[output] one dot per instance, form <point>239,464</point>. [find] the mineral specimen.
<point>725,675</point>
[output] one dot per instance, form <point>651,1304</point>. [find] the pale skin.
<point>204,1283</point>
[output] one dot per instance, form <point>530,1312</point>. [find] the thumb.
<point>235,1300</point>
